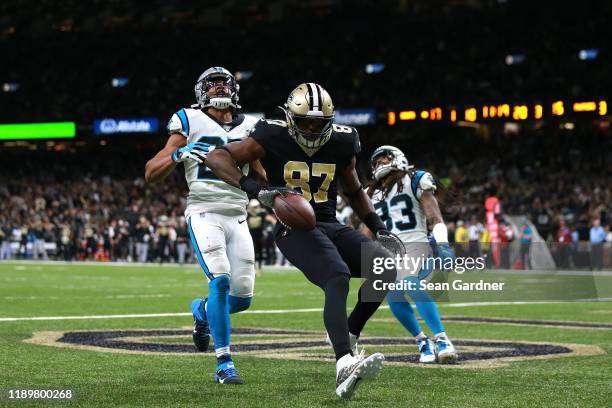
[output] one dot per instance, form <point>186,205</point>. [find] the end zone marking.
<point>473,353</point>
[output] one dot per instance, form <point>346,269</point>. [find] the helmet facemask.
<point>397,161</point>
<point>310,113</point>
<point>212,78</point>
<point>310,132</point>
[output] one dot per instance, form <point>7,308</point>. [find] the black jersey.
<point>315,176</point>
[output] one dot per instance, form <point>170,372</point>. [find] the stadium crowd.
<point>94,204</point>
<point>99,207</point>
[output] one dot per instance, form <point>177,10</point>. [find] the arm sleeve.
<point>179,123</point>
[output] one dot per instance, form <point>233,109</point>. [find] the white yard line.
<point>21,263</point>
<point>140,315</point>
<point>274,311</point>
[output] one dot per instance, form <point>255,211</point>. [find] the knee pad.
<point>238,304</point>
<point>219,285</point>
<point>242,284</point>
<point>216,262</point>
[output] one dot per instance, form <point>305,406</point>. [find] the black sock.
<point>334,314</point>
<point>361,313</point>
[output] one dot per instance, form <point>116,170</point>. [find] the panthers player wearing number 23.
<point>216,211</point>
<point>404,198</point>
<point>308,154</point>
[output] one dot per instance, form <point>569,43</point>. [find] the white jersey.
<point>401,210</point>
<point>207,193</point>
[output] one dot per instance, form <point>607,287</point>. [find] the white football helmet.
<point>397,161</point>
<point>207,80</point>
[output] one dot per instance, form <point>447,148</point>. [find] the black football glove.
<point>266,194</point>
<point>391,242</point>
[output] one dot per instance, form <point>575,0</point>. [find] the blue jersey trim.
<point>198,252</point>
<point>184,120</point>
<point>415,180</point>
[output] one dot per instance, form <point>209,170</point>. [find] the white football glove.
<point>196,152</point>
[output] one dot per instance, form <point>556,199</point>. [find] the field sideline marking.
<point>275,311</point>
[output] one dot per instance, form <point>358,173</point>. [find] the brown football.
<point>294,212</point>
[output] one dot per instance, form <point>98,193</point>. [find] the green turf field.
<point>167,374</point>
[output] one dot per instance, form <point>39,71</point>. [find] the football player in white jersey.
<point>216,211</point>
<point>404,199</point>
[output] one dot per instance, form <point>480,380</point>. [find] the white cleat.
<point>426,348</point>
<point>446,351</point>
<point>354,370</point>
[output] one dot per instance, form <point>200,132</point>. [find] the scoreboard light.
<point>520,112</point>
<point>407,115</point>
<point>435,114</point>
<point>558,108</point>
<point>29,131</point>
<point>517,112</point>
<point>538,111</point>
<point>470,114</point>
<point>584,106</point>
<point>503,111</point>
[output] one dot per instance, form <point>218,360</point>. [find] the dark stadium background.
<point>86,195</point>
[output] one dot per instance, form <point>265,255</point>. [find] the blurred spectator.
<point>165,239</point>
<point>475,229</point>
<point>525,238</point>
<point>461,239</point>
<point>563,238</point>
<point>143,237</point>
<point>181,240</point>
<point>597,237</point>
<point>5,243</point>
<point>506,236</point>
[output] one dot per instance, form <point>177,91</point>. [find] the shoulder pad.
<point>348,134</point>
<point>179,123</point>
<point>422,181</point>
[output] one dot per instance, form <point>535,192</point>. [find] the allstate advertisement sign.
<point>110,126</point>
<point>355,117</point>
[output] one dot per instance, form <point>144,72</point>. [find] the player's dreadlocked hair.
<point>385,184</point>
<point>447,198</point>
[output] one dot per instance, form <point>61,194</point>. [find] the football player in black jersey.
<point>310,154</point>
